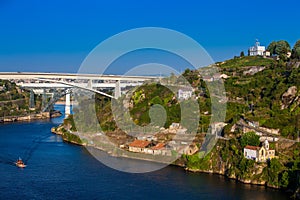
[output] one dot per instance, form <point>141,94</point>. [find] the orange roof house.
<point>138,145</point>
<point>159,146</point>
<point>252,147</point>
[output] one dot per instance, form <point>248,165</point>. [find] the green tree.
<point>272,47</point>
<point>297,44</point>
<point>274,168</point>
<point>282,47</point>
<point>284,181</point>
<point>249,138</point>
<point>242,54</point>
<point>279,48</point>
<point>156,100</point>
<point>296,50</point>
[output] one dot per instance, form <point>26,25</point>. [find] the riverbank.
<point>245,181</point>
<point>30,117</point>
<point>109,147</point>
<point>68,137</point>
<point>180,163</point>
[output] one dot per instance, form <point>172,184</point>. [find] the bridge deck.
<point>35,75</point>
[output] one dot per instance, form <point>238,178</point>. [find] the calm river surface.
<point>58,170</point>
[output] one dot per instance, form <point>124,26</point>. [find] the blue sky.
<point>55,36</point>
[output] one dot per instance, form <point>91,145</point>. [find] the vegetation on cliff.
<point>70,137</point>
<point>259,96</point>
<point>267,91</point>
<point>227,158</point>
<point>14,101</point>
<point>67,129</point>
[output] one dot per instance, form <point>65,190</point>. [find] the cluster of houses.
<point>160,148</point>
<point>144,146</point>
<point>258,153</point>
<point>150,145</point>
<point>251,126</point>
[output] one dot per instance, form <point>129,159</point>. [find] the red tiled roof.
<point>251,147</point>
<point>139,143</point>
<point>158,146</point>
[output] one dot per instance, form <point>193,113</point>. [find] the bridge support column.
<point>44,99</point>
<point>90,83</point>
<point>31,100</point>
<point>117,89</point>
<point>68,105</point>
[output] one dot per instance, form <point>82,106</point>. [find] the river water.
<point>59,170</point>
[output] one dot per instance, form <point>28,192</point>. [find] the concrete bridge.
<point>75,76</point>
<point>40,82</point>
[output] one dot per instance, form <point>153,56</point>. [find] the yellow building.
<point>259,154</point>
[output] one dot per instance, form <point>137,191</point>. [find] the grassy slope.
<point>245,61</point>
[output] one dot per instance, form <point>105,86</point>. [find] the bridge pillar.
<point>44,99</point>
<point>31,100</point>
<point>68,105</point>
<point>90,84</point>
<point>117,89</point>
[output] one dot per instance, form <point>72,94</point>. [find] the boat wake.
<point>7,159</point>
<point>27,154</point>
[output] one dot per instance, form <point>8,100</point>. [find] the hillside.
<point>239,62</point>
<point>261,93</point>
<point>14,101</point>
<point>258,90</point>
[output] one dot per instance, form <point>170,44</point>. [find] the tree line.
<point>282,47</point>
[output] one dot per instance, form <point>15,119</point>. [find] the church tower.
<point>266,145</point>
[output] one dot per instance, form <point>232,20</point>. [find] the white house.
<point>259,154</point>
<point>184,94</point>
<point>257,50</point>
<point>250,152</point>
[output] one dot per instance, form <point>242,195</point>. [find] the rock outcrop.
<point>253,70</point>
<point>289,97</point>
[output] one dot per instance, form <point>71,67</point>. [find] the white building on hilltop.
<point>257,50</point>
